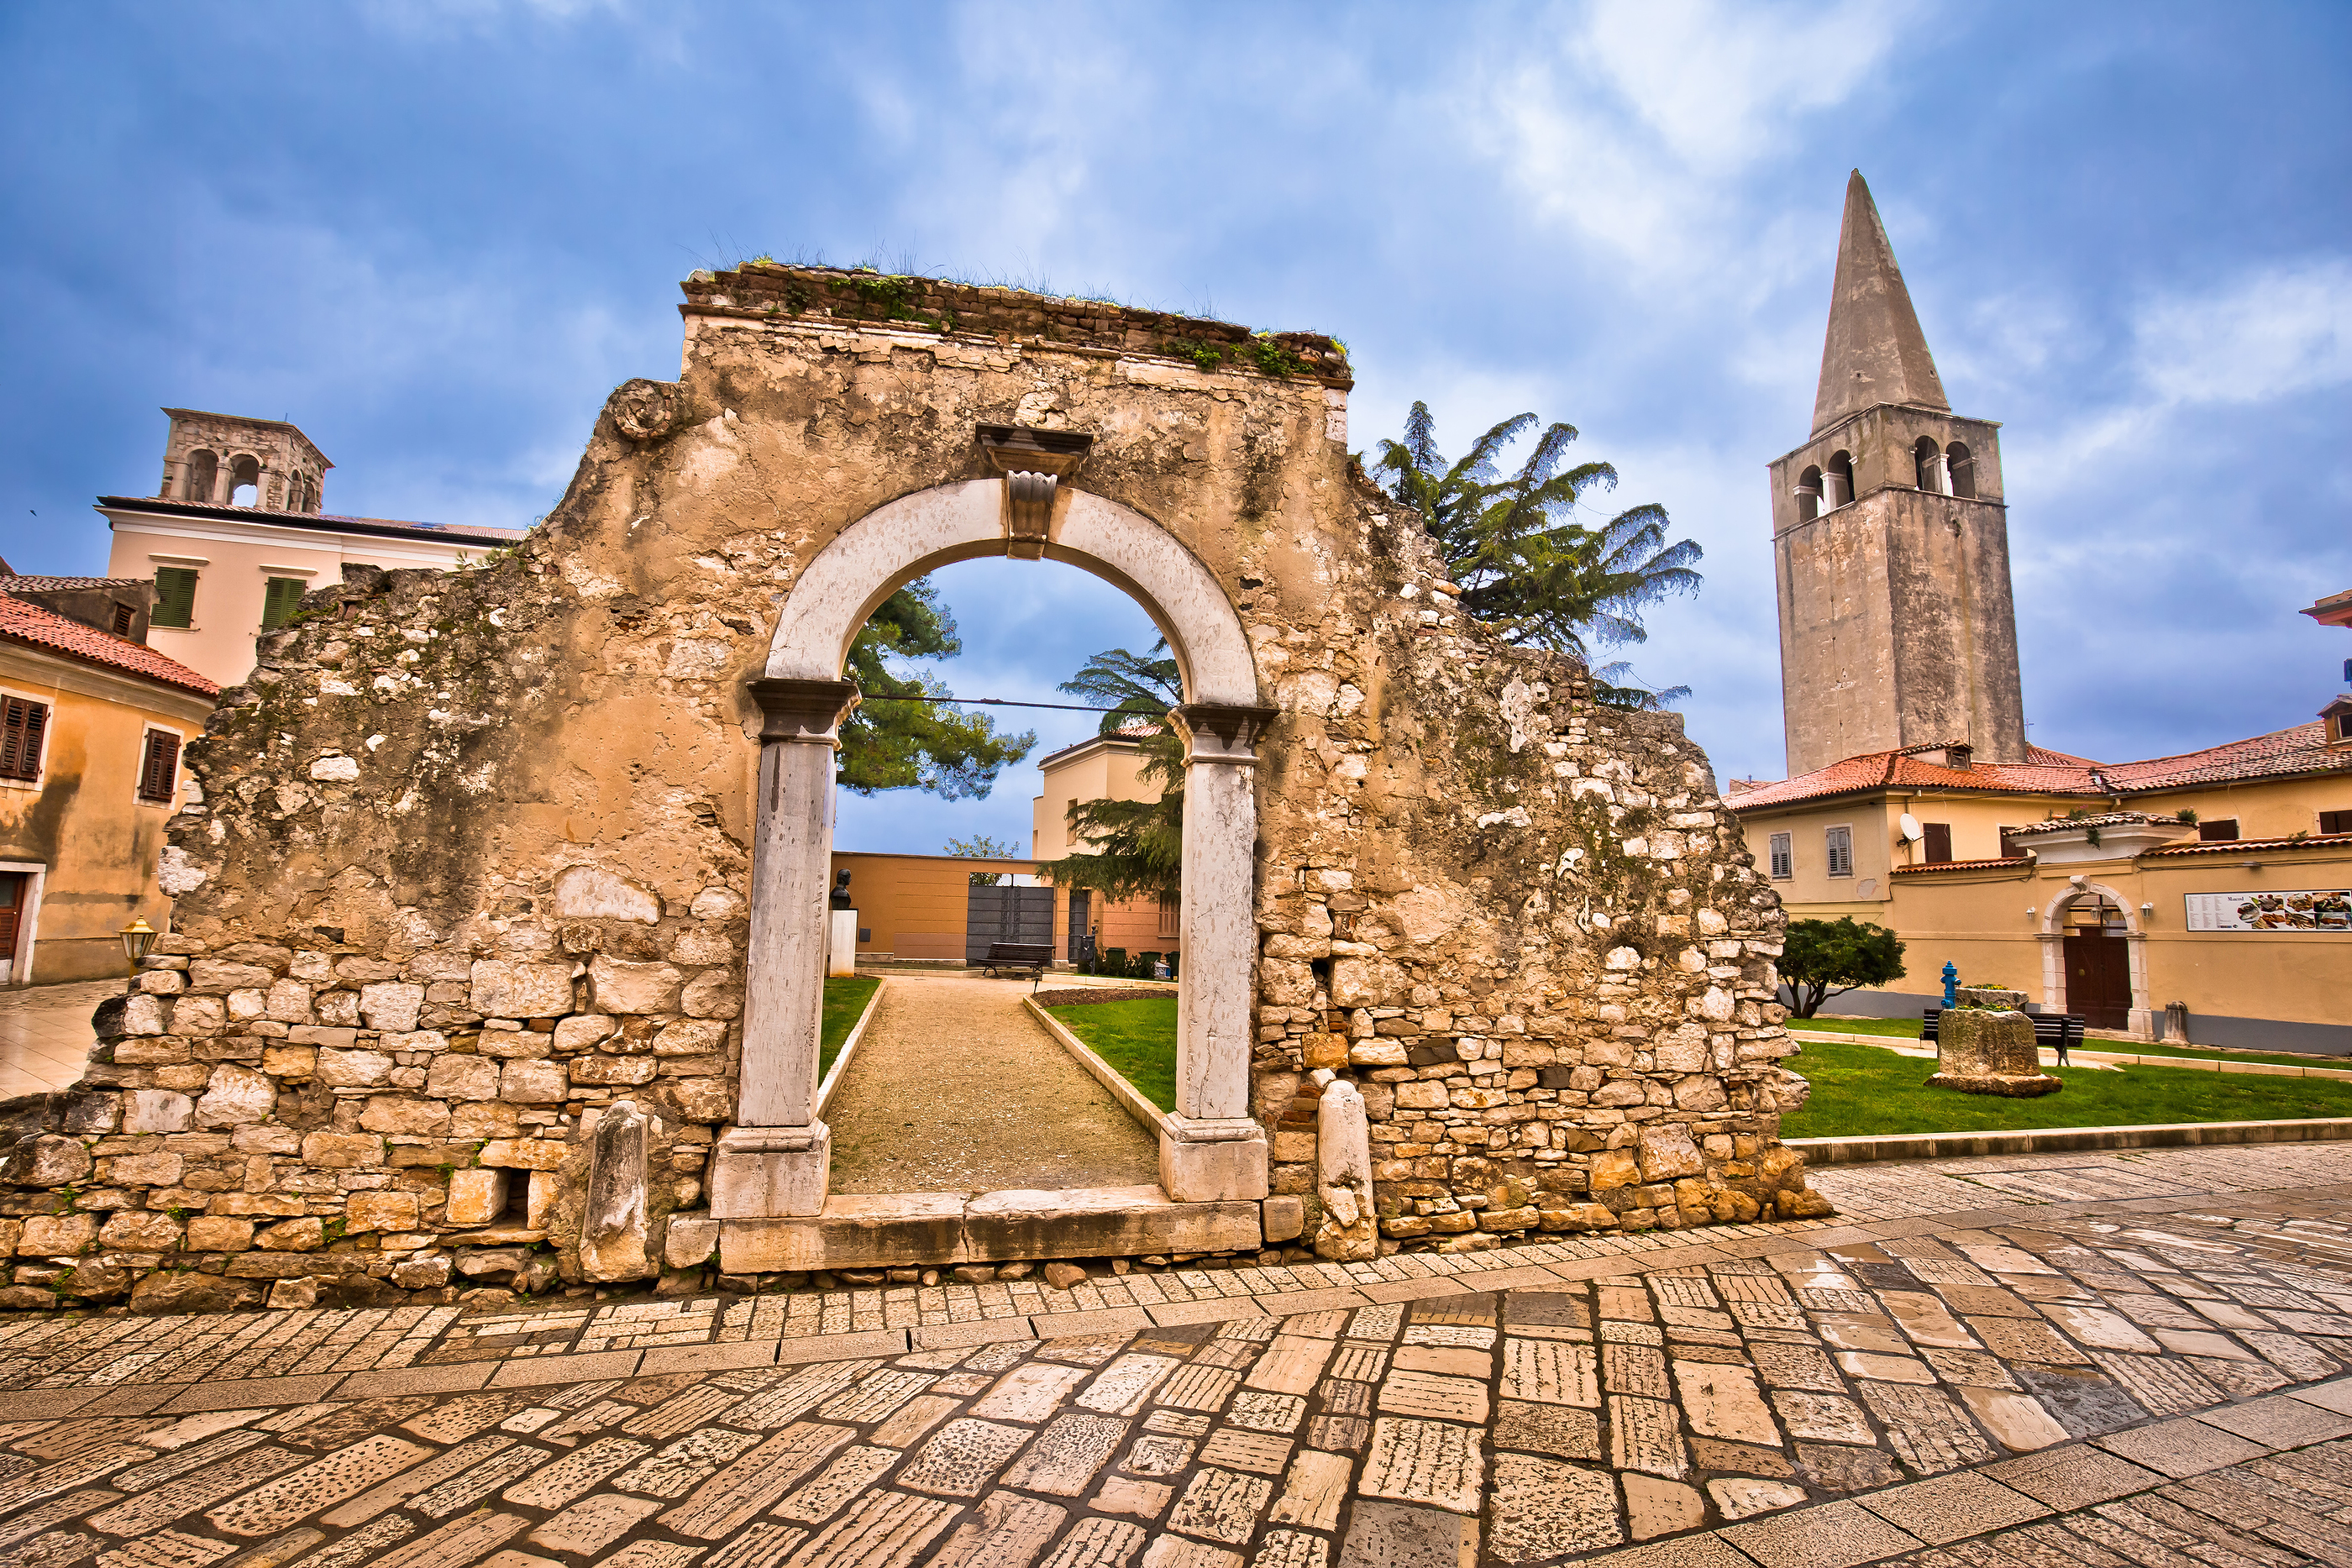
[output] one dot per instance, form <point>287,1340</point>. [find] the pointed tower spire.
<point>1875,352</point>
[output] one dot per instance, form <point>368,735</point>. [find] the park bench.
<point>2060,1031</point>
<point>1033,958</point>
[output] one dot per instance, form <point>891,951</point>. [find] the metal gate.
<point>1003,913</point>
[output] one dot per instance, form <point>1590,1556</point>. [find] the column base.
<point>1213,1161</point>
<point>771,1173</point>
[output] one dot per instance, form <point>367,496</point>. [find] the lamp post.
<point>137,939</point>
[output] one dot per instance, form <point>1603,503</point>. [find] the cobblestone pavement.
<point>2137,1360</point>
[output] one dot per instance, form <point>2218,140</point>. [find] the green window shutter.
<point>175,597</point>
<point>284,597</point>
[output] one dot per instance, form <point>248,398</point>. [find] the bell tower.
<point>1890,539</point>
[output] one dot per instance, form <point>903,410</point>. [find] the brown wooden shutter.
<point>21,727</point>
<point>2221,832</point>
<point>2336,822</point>
<point>1938,842</point>
<point>161,769</point>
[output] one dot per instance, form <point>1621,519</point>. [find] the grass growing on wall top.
<point>1138,1039</point>
<point>1863,1089</point>
<point>845,1002</point>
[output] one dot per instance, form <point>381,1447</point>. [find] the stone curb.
<point>2093,1058</point>
<point>825,1091</point>
<point>1130,1098</point>
<point>2065,1140</point>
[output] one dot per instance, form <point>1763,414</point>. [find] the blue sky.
<point>437,234</point>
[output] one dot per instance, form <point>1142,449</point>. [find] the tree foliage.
<point>1132,846</point>
<point>981,847</point>
<point>1825,958</point>
<point>1526,563</point>
<point>917,745</point>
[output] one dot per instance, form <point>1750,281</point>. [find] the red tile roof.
<point>2240,846</point>
<point>20,584</point>
<point>2300,749</point>
<point>21,622</point>
<point>1935,866</point>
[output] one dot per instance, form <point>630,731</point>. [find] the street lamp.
<point>137,938</point>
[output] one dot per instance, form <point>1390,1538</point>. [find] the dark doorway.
<point>2098,978</point>
<point>1006,914</point>
<point>1082,926</point>
<point>12,914</point>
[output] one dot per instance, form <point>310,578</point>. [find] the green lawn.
<point>1908,1029</point>
<point>845,1000</point>
<point>1138,1039</point>
<point>1859,1090</point>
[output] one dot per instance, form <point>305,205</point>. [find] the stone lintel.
<point>928,1229</point>
<point>797,710</point>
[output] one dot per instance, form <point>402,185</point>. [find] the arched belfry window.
<point>1927,459</point>
<point>1962,466</point>
<point>243,475</point>
<point>202,474</point>
<point>1837,480</point>
<point>1809,495</point>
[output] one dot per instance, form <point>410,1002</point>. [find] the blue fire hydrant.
<point>1951,985</point>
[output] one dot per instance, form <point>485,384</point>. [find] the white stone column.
<point>773,1162</point>
<point>1212,1149</point>
<point>2141,1019</point>
<point>2054,970</point>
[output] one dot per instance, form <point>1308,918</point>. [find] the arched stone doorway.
<point>773,1163</point>
<point>2057,996</point>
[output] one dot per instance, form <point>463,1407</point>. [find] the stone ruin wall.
<point>471,856</point>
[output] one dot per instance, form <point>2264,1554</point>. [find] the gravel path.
<point>955,1087</point>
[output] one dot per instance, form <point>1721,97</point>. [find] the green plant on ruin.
<point>1273,358</point>
<point>1528,566</point>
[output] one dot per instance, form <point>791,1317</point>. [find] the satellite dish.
<point>1910,826</point>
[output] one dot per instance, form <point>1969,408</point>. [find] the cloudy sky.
<point>437,234</point>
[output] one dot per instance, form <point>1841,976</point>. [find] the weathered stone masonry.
<point>471,865</point>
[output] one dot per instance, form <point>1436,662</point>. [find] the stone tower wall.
<point>1897,625</point>
<point>470,863</point>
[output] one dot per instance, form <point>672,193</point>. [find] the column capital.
<point>808,711</point>
<point>1221,732</point>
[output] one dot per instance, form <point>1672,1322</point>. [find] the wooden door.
<point>1082,926</point>
<point>2098,979</point>
<point>12,918</point>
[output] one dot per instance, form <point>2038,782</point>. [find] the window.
<point>1937,843</point>
<point>1927,462</point>
<point>2336,822</point>
<point>1171,909</point>
<point>1841,848</point>
<point>1784,859</point>
<point>2218,832</point>
<point>283,597</point>
<point>1837,481</point>
<point>21,724</point>
<point>125,618</point>
<point>2343,727</point>
<point>158,769</point>
<point>175,597</point>
<point>203,476</point>
<point>1809,495</point>
<point>2011,849</point>
<point>1962,466</point>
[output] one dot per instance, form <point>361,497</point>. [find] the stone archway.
<point>773,1163</point>
<point>2052,932</point>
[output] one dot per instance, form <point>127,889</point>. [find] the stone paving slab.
<point>2002,1383</point>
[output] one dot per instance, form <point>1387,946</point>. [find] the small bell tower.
<point>1890,539</point>
<point>210,459</point>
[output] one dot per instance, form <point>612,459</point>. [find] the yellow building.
<point>92,724</point>
<point>2220,879</point>
<point>234,537</point>
<point>1100,768</point>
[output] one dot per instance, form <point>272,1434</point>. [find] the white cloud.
<point>1634,127</point>
<point>2277,332</point>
